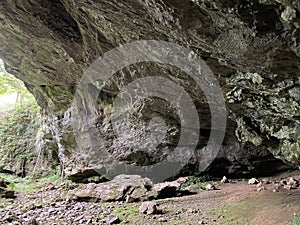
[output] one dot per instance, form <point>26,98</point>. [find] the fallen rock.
<point>224,180</point>
<point>167,189</point>
<point>261,188</point>
<point>182,180</point>
<point>260,184</point>
<point>128,188</point>
<point>293,182</point>
<point>283,182</point>
<point>6,193</point>
<point>288,187</point>
<point>193,188</point>
<point>278,187</point>
<point>253,181</point>
<point>266,181</point>
<point>148,208</point>
<point>210,187</point>
<point>112,219</point>
<point>122,186</point>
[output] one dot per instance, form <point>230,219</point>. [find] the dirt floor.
<point>233,203</point>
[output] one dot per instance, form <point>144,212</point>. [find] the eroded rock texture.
<point>253,48</point>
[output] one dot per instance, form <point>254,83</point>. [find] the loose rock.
<point>293,182</point>
<point>148,208</point>
<point>253,181</point>
<point>6,193</point>
<point>261,188</point>
<point>210,187</point>
<point>224,180</point>
<point>167,189</point>
<point>112,219</point>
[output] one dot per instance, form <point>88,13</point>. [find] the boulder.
<point>148,208</point>
<point>121,188</point>
<point>167,189</point>
<point>128,188</point>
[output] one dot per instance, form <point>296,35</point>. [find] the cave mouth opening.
<point>13,92</point>
<point>20,123</point>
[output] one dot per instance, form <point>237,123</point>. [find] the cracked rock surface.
<point>252,47</point>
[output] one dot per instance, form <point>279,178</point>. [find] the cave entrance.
<point>13,93</point>
<point>20,117</point>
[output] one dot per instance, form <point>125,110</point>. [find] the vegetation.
<point>296,221</point>
<point>17,136</point>
<point>127,212</point>
<point>10,88</point>
<point>198,181</point>
<point>20,120</point>
<point>29,184</point>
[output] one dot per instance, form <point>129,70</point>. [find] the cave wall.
<point>253,48</point>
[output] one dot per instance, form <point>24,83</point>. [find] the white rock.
<point>253,181</point>
<point>210,187</point>
<point>224,180</point>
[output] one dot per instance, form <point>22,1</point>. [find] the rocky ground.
<point>272,200</point>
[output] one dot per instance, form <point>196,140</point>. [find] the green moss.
<point>29,184</point>
<point>126,213</point>
<point>237,212</point>
<point>53,177</point>
<point>18,128</point>
<point>18,184</point>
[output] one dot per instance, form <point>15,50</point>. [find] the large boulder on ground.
<point>119,189</point>
<point>129,188</point>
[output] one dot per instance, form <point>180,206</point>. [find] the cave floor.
<point>233,203</point>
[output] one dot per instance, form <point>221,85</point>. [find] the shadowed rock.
<point>253,48</point>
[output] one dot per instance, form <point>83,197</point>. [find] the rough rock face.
<point>253,48</point>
